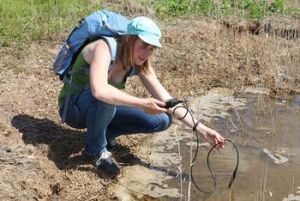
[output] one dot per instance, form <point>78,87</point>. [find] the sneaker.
<point>107,167</point>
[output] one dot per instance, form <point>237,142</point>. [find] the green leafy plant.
<point>172,7</point>
<point>260,8</point>
<point>207,7</point>
<point>277,6</point>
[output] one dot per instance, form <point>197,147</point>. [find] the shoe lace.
<point>105,155</point>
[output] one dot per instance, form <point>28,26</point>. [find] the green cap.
<point>145,29</point>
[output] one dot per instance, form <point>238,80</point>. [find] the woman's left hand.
<point>212,136</point>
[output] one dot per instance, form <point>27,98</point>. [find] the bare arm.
<point>98,55</point>
<point>156,89</point>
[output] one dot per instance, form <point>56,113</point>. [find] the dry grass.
<point>199,54</point>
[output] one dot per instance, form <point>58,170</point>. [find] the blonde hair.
<point>125,54</point>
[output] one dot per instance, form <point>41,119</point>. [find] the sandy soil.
<point>40,158</point>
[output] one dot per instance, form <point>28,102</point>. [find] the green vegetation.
<point>23,20</point>
<point>255,9</point>
<point>26,20</point>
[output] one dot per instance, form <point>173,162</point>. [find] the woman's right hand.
<point>153,106</point>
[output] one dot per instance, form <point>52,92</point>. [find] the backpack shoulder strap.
<point>112,44</point>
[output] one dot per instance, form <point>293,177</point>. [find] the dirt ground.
<point>40,158</point>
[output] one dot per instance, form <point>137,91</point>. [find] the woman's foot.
<point>106,165</point>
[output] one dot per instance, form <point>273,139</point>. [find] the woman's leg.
<point>73,117</point>
<point>130,120</point>
<point>98,116</point>
<point>104,121</point>
<point>85,111</point>
<point>95,115</point>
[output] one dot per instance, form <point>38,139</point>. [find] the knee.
<point>100,112</point>
<point>102,107</point>
<point>165,122</point>
<point>106,108</point>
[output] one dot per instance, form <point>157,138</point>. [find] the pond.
<point>266,133</point>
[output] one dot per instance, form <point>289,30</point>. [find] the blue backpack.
<point>98,24</point>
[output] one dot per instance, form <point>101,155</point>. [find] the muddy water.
<point>267,134</point>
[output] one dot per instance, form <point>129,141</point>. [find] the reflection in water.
<point>267,135</point>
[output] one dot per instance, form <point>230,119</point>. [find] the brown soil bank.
<point>40,159</point>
